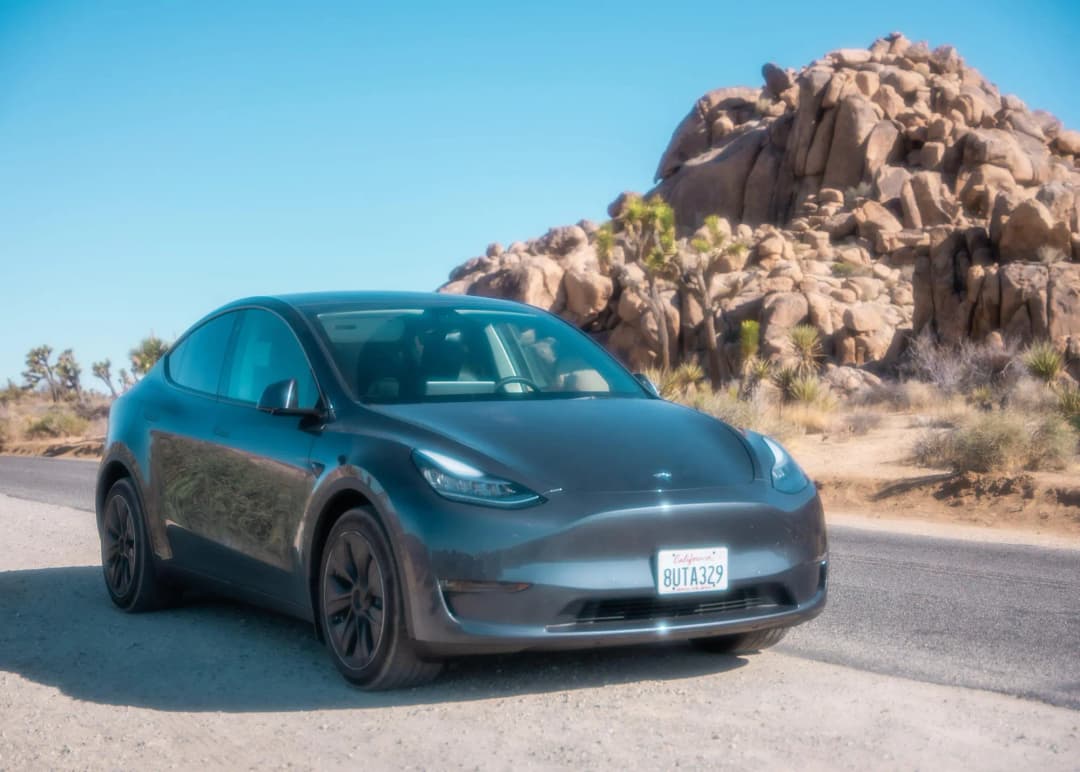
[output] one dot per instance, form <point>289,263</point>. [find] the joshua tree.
<point>103,372</point>
<point>69,375</point>
<point>146,354</point>
<point>41,369</point>
<point>647,230</point>
<point>706,262</point>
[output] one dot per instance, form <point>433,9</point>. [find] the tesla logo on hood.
<point>662,476</point>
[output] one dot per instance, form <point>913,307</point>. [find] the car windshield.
<point>445,354</point>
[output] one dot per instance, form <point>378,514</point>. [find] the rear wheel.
<point>126,557</point>
<point>362,608</point>
<point>745,643</point>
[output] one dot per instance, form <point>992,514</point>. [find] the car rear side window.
<point>266,352</point>
<point>196,362</point>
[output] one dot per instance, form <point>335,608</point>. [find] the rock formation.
<point>880,193</point>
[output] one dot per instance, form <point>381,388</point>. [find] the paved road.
<point>999,617</point>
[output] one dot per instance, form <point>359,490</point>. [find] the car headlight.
<point>787,477</point>
<point>458,481</point>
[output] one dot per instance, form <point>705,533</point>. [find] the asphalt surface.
<point>999,617</point>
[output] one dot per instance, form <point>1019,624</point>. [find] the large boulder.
<point>1030,231</point>
<point>587,294</point>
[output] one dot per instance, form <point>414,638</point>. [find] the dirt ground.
<point>873,474</point>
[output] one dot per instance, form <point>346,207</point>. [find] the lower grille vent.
<point>601,612</point>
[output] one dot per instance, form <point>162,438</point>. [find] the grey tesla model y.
<point>423,476</point>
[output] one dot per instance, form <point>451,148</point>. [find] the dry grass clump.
<point>898,395</point>
<point>755,412</point>
<point>857,423</point>
<point>809,417</point>
<point>56,421</point>
<point>1001,441</point>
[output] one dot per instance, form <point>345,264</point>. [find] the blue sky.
<point>158,159</point>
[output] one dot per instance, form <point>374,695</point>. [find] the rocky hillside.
<point>878,193</point>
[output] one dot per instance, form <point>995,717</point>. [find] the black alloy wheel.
<point>119,547</point>
<point>354,598</point>
<point>127,561</point>
<point>361,607</point>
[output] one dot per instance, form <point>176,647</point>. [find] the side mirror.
<point>648,385</point>
<point>280,398</point>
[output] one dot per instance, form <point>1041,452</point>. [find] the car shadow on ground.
<point>57,627</point>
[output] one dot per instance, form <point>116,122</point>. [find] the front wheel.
<point>362,610</point>
<point>745,643</point>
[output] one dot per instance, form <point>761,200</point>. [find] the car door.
<point>181,418</point>
<point>264,477</point>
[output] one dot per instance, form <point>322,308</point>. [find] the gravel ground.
<point>217,685</point>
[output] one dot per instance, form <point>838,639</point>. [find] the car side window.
<point>196,362</point>
<point>266,351</point>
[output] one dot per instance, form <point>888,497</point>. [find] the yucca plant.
<point>749,339</point>
<point>784,377</point>
<point>755,371</point>
<point>805,389</point>
<point>675,383</point>
<point>806,342</point>
<point>687,375</point>
<point>1044,361</point>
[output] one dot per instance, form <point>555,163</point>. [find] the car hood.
<point>601,444</point>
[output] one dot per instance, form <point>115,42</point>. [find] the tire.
<point>127,560</point>
<point>746,643</point>
<point>362,608</point>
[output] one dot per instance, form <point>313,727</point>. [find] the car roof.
<point>308,302</point>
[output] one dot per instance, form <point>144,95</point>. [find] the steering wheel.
<point>503,382</point>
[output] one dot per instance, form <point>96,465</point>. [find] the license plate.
<point>691,570</point>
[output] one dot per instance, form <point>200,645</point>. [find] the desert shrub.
<point>934,448</point>
<point>12,392</point>
<point>898,395</point>
<point>843,270</point>
<point>1044,361</point>
<point>56,422</point>
<point>1051,443</point>
<point>1002,441</point>
<point>857,422</point>
<point>1030,395</point>
<point>754,412</point>
<point>806,344</point>
<point>957,370</point>
<point>982,397</point>
<point>1068,398</point>
<point>727,407</point>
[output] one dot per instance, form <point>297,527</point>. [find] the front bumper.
<point>580,570</point>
